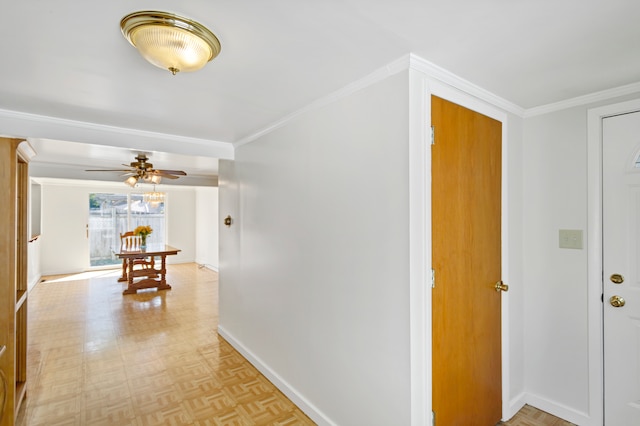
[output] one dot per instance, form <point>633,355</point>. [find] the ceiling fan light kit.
<point>131,181</point>
<point>170,41</point>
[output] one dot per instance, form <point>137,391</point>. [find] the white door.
<point>621,268</point>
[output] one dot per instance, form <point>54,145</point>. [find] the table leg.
<point>159,283</point>
<point>163,271</point>
<point>131,289</point>
<point>124,272</point>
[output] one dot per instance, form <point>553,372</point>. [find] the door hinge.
<point>433,278</point>
<point>433,135</point>
<point>433,418</point>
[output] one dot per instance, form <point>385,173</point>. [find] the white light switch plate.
<point>571,238</point>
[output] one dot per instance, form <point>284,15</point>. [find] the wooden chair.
<point>145,267</point>
<point>130,241</point>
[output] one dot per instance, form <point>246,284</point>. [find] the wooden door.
<point>466,218</point>
<point>621,256</point>
<point>14,179</point>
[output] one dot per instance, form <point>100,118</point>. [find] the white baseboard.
<point>558,410</point>
<point>306,406</point>
<point>33,282</point>
<point>62,272</point>
<point>514,406</point>
<point>211,267</point>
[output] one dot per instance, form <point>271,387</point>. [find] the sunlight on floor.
<point>98,357</point>
<point>87,275</point>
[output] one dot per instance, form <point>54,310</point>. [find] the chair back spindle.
<point>129,241</point>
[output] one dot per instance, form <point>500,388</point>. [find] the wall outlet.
<point>570,238</point>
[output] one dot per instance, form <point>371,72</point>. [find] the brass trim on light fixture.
<point>151,18</point>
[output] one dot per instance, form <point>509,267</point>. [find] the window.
<point>113,214</point>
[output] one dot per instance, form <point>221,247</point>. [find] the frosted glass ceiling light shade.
<point>131,181</point>
<point>169,41</point>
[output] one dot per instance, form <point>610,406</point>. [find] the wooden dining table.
<point>148,277</point>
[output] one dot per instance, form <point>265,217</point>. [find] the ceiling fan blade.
<point>171,172</point>
<point>164,175</point>
<point>143,170</point>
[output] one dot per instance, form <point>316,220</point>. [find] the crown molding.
<point>602,95</point>
<point>26,151</point>
<point>447,77</point>
<point>380,74</point>
<point>403,63</point>
<point>434,71</point>
<point>26,125</point>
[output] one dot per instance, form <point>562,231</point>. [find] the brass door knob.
<point>616,279</point>
<point>617,301</point>
<point>500,286</point>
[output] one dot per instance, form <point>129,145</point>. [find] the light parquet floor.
<point>530,416</point>
<point>96,357</point>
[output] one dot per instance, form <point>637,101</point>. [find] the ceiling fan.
<point>142,170</point>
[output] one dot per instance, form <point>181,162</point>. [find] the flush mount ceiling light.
<point>170,41</point>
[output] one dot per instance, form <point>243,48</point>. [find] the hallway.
<point>96,357</point>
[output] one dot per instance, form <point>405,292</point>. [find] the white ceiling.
<point>67,58</point>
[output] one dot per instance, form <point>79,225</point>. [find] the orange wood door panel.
<point>466,218</point>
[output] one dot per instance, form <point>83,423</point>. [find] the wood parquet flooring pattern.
<point>98,357</point>
<point>531,416</point>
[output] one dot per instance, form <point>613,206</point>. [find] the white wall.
<point>181,223</point>
<point>280,166</point>
<point>63,243</point>
<point>34,269</point>
<point>556,315</point>
<point>514,300</point>
<point>314,270</point>
<point>206,221</point>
